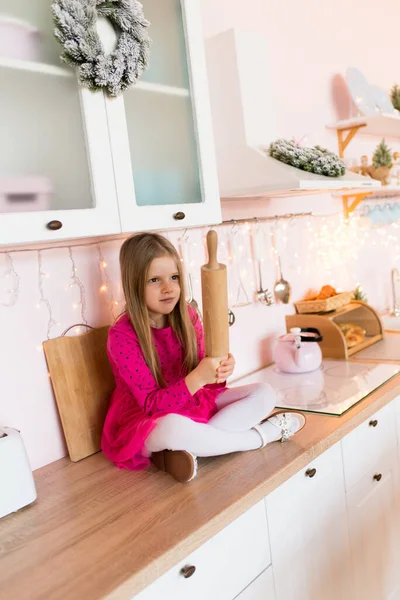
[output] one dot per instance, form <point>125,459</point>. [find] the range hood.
<point>243,122</point>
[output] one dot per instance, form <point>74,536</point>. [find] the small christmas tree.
<point>359,294</point>
<point>382,156</point>
<point>395,96</point>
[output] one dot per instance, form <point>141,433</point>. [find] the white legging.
<point>229,430</point>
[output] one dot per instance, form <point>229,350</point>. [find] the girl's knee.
<point>167,433</point>
<point>266,395</point>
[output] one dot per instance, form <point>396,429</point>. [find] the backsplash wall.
<point>42,292</point>
<point>311,255</point>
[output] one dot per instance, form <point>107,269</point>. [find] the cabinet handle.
<point>188,571</point>
<point>378,477</point>
<point>179,216</point>
<point>373,423</point>
<point>54,225</point>
<point>311,472</point>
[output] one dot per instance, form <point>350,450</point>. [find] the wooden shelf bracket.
<point>351,200</point>
<point>345,136</point>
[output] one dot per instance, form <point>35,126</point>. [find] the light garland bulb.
<point>103,288</point>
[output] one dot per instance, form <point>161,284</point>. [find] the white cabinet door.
<point>309,533</point>
<point>161,131</point>
<point>396,404</point>
<point>374,512</point>
<point>261,588</point>
<point>56,173</point>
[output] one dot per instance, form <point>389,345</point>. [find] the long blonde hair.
<point>136,255</point>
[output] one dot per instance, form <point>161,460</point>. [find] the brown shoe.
<point>182,465</point>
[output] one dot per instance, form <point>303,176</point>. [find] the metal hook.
<point>184,234</point>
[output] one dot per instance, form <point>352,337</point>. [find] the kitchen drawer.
<point>374,438</point>
<point>224,565</point>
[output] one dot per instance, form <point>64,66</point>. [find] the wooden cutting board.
<point>83,382</point>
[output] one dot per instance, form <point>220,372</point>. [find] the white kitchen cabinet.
<point>308,530</point>
<point>79,164</point>
<point>161,130</point>
<point>261,588</point>
<point>56,176</point>
<point>222,567</point>
<point>374,511</point>
<point>373,439</point>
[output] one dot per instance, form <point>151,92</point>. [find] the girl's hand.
<point>225,368</point>
<point>207,369</point>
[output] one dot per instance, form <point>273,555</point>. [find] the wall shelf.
<point>34,67</point>
<point>54,70</point>
<point>158,88</point>
<point>381,124</point>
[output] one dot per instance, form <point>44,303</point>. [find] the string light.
<point>42,298</point>
<point>327,250</point>
<point>9,273</point>
<point>106,286</point>
<point>77,282</point>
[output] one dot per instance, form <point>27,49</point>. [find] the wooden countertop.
<point>96,532</point>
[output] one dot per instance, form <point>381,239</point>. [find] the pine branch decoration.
<point>359,294</point>
<point>395,96</point>
<point>313,160</point>
<point>382,156</point>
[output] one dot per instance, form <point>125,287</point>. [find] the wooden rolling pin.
<point>214,288</point>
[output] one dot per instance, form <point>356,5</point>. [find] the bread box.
<point>337,326</point>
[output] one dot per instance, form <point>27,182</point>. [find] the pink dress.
<point>138,401</point>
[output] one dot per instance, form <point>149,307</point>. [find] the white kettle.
<point>299,351</point>
<point>16,480</point>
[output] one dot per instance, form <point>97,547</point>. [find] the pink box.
<point>25,194</point>
<point>18,39</point>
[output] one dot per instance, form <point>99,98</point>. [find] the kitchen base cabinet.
<point>374,509</point>
<point>308,530</point>
<point>261,588</point>
<point>222,567</point>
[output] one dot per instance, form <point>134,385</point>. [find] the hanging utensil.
<point>242,298</point>
<point>183,250</point>
<point>228,260</point>
<point>282,288</point>
<point>263,295</point>
<point>191,300</point>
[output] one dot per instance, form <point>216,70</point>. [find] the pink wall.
<point>311,43</point>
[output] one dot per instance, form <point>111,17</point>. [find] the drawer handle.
<point>179,216</point>
<point>188,571</point>
<point>373,423</point>
<point>378,477</point>
<point>54,225</point>
<point>311,472</point>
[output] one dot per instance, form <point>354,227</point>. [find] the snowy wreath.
<point>75,28</point>
<point>315,160</point>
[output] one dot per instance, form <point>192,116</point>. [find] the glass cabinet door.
<point>43,160</point>
<point>161,128</point>
<point>163,125</point>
